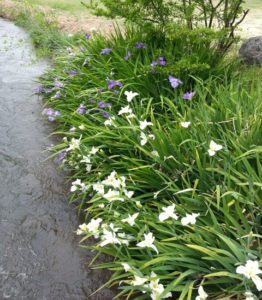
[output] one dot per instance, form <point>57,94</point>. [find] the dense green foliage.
<point>163,163</point>
<point>223,15</point>
<point>171,164</point>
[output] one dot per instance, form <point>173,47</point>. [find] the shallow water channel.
<point>40,257</point>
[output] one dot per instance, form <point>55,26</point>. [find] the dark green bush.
<point>224,15</point>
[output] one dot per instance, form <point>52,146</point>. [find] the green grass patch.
<point>72,7</point>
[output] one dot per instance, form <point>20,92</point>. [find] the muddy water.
<point>40,257</point>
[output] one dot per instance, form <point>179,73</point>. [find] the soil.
<point>70,24</point>
<point>252,25</point>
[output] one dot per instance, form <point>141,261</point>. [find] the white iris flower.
<point>144,124</point>
<point>130,95</point>
<point>99,188</point>
<point>93,226</point>
<point>148,242</point>
<point>213,148</point>
<point>82,229</point>
<point>125,110</point>
<point>189,219</point>
<point>131,219</point>
<point>75,144</point>
<point>202,295</point>
<point>251,270</point>
<point>157,288</point>
<point>185,124</point>
<point>112,195</point>
<point>168,212</point>
<point>138,281</point>
<point>126,267</point>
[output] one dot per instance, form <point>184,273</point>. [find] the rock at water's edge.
<point>251,51</point>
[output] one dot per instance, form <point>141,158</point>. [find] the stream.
<point>40,257</point>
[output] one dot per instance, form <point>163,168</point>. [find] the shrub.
<point>225,15</point>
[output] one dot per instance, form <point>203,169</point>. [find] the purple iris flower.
<point>81,109</point>
<point>91,100</point>
<point>140,45</point>
<point>105,51</point>
<point>101,104</point>
<point>105,115</point>
<point>38,89</point>
<point>161,61</point>
<point>174,81</point>
<point>57,95</point>
<point>188,95</point>
<point>128,55</point>
<point>69,49</point>
<point>72,72</point>
<point>59,84</point>
<point>57,113</point>
<point>100,90</point>
<point>44,112</point>
<point>113,83</point>
<point>61,156</point>
<point>87,36</point>
<point>109,105</point>
<point>50,113</point>
<point>154,63</point>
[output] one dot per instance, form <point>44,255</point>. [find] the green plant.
<point>225,15</point>
<point>127,171</point>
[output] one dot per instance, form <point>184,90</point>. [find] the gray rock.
<point>251,51</point>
